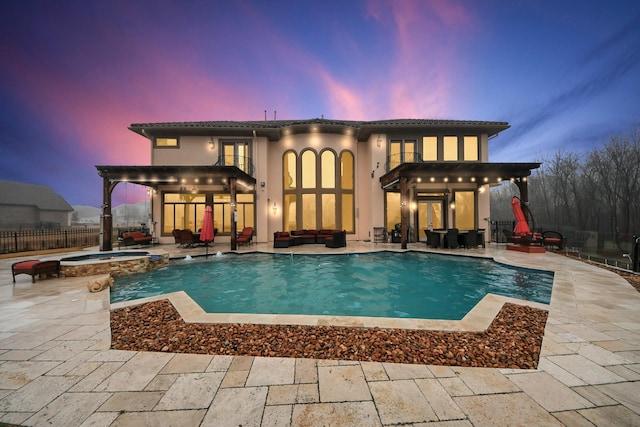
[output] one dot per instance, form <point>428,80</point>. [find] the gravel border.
<point>513,340</point>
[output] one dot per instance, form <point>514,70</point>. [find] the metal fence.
<point>613,249</point>
<point>45,239</point>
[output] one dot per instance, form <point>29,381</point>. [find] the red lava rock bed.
<point>513,340</point>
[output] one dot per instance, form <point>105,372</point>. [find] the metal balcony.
<point>243,163</point>
<point>395,160</point>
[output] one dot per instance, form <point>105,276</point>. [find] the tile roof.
<point>41,196</point>
<point>273,128</point>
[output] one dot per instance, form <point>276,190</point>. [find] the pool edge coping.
<point>478,319</point>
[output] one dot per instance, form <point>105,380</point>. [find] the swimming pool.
<point>382,284</point>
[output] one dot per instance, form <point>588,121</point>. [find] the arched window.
<point>325,198</point>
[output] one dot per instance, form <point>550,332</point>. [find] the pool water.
<point>383,284</point>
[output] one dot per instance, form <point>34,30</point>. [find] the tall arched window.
<point>325,198</point>
<point>346,187</point>
<point>290,184</point>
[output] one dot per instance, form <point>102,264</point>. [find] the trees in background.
<point>596,191</point>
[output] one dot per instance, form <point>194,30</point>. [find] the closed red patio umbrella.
<point>522,227</point>
<point>207,234</point>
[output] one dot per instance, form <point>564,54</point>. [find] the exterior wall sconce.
<point>379,141</point>
<point>452,205</point>
<point>274,208</point>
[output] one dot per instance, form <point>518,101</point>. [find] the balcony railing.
<point>243,163</point>
<point>396,160</point>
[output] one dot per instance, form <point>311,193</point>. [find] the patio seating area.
<point>57,368</point>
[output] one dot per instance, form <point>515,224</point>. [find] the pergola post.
<point>234,214</point>
<point>106,223</point>
<point>404,208</point>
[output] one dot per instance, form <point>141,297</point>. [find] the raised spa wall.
<point>116,267</point>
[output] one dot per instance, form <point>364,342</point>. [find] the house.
<point>280,175</point>
<point>32,206</point>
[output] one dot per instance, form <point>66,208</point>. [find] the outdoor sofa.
<point>285,239</point>
<point>130,238</point>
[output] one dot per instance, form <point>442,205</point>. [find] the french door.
<point>430,216</point>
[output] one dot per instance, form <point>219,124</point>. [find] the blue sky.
<point>75,74</point>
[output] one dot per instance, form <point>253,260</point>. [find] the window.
<point>328,169</point>
<point>471,148</point>
<point>450,145</point>
<point>223,213</point>
<point>166,142</point>
<point>346,182</point>
<point>401,151</point>
<point>308,169</point>
<point>246,211</point>
<point>237,153</point>
<point>182,211</point>
<point>325,199</point>
<point>346,170</point>
<point>429,148</point>
<point>393,209</point>
<point>465,208</point>
<point>289,165</point>
<point>186,211</point>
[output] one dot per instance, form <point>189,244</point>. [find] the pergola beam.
<point>153,176</point>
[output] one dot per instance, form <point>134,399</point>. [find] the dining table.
<point>443,232</point>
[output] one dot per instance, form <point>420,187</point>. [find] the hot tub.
<point>119,263</point>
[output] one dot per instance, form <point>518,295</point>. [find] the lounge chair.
<point>245,237</point>
<point>187,239</point>
<point>130,238</point>
<point>176,235</point>
<point>553,238</point>
<point>35,267</point>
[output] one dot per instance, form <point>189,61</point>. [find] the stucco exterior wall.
<point>194,150</point>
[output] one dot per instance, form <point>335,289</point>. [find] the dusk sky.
<point>75,74</point>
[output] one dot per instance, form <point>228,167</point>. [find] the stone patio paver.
<point>70,409</point>
<point>342,384</point>
<point>132,401</point>
<point>442,404</point>
<point>159,418</point>
<point>361,414</point>
<point>237,407</point>
<point>191,391</point>
<point>401,402</point>
<point>271,371</point>
<point>511,409</point>
<point>56,367</point>
<point>585,369</point>
<point>550,393</point>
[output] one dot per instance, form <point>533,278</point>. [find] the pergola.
<point>154,176</point>
<point>407,174</point>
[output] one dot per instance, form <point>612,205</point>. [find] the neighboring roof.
<point>275,129</point>
<point>41,196</point>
